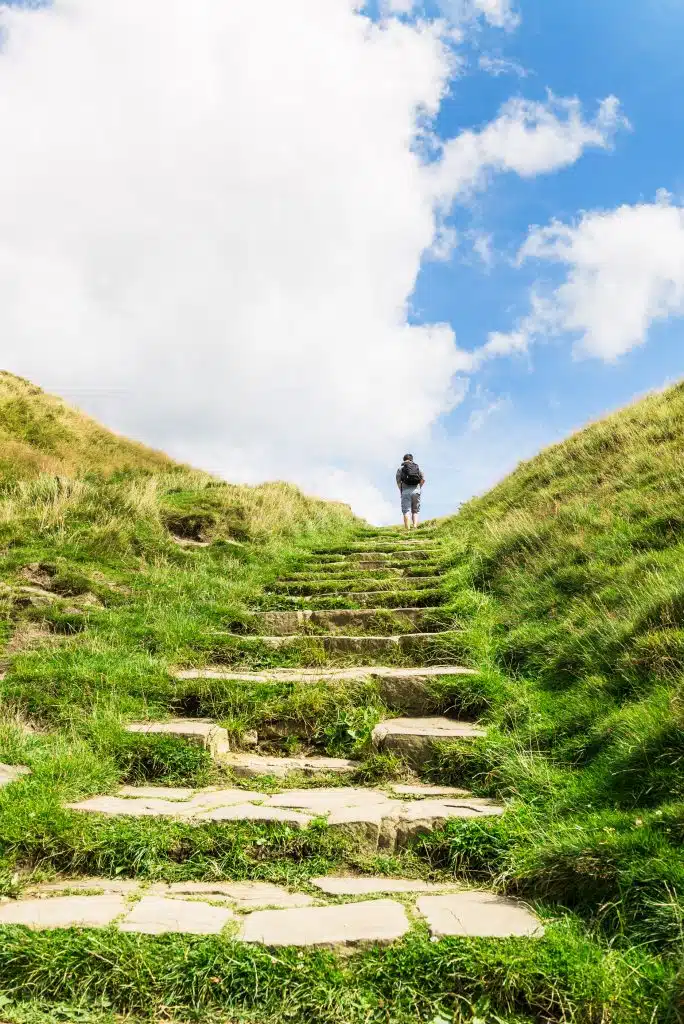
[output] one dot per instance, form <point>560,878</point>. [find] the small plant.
<point>157,758</point>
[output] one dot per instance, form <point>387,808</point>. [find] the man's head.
<point>407,458</point>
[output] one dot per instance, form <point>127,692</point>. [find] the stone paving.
<point>198,731</point>
<point>341,911</point>
<point>382,819</point>
<point>11,772</point>
<point>258,912</point>
<point>416,739</point>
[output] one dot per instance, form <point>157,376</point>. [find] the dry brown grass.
<point>41,434</point>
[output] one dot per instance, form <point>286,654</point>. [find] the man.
<point>410,481</point>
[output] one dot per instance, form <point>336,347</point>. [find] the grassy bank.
<point>568,579</point>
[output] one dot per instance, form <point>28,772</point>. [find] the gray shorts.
<point>410,499</point>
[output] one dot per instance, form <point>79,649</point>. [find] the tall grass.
<point>568,577</point>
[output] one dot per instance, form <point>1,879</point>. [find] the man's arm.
<point>422,481</point>
<point>399,479</point>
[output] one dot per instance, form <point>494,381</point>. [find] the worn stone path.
<point>372,601</point>
<point>10,773</point>
<point>270,914</point>
<point>381,819</point>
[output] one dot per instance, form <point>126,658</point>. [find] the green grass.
<point>562,978</point>
<point>566,585</point>
<point>567,580</point>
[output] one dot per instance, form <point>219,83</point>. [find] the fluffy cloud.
<point>528,138</point>
<point>498,13</point>
<point>212,219</point>
<point>623,270</point>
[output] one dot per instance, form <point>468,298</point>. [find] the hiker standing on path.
<point>410,481</point>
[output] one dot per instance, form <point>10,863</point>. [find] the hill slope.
<point>565,583</point>
<point>40,433</point>
<point>569,580</point>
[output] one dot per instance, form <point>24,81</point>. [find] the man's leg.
<point>405,507</point>
<point>415,508</point>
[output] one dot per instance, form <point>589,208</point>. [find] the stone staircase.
<point>372,612</point>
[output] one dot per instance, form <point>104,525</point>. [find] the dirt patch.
<point>29,636</point>
<point>36,575</point>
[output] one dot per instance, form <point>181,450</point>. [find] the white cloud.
<point>624,271</point>
<point>497,66</point>
<point>212,219</point>
<point>498,13</point>
<point>487,407</point>
<point>483,247</point>
<point>528,138</point>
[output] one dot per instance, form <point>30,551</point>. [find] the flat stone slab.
<point>254,765</point>
<point>202,732</point>
<point>409,644</point>
<point>11,772</point>
<point>323,801</point>
<point>377,921</point>
<point>381,820</point>
<point>427,791</point>
<point>245,895</point>
<point>156,915</point>
<point>350,886</point>
<point>289,623</point>
<point>124,886</point>
<point>330,586</point>
<point>475,913</point>
<point>156,792</point>
<point>241,895</point>
<point>415,739</point>
<point>198,908</point>
<point>142,805</point>
<point>252,812</point>
<point>64,911</point>
<point>426,598</point>
<point>312,675</point>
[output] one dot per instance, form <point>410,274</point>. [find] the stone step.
<point>11,773</point>
<point>417,739</point>
<point>429,597</point>
<point>200,732</point>
<point>243,764</point>
<point>376,820</point>
<point>401,544</point>
<point>417,646</point>
<point>376,556</point>
<point>214,907</point>
<point>307,621</point>
<point>406,690</point>
<point>367,584</point>
<point>311,621</point>
<point>253,766</point>
<point>332,569</point>
<point>362,885</point>
<point>379,570</point>
<point>379,922</point>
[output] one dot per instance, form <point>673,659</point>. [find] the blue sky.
<point>289,240</point>
<point>574,48</point>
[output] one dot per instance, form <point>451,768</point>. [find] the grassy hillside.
<point>566,581</point>
<point>569,580</point>
<point>42,434</point>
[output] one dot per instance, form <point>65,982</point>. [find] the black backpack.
<point>411,474</point>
